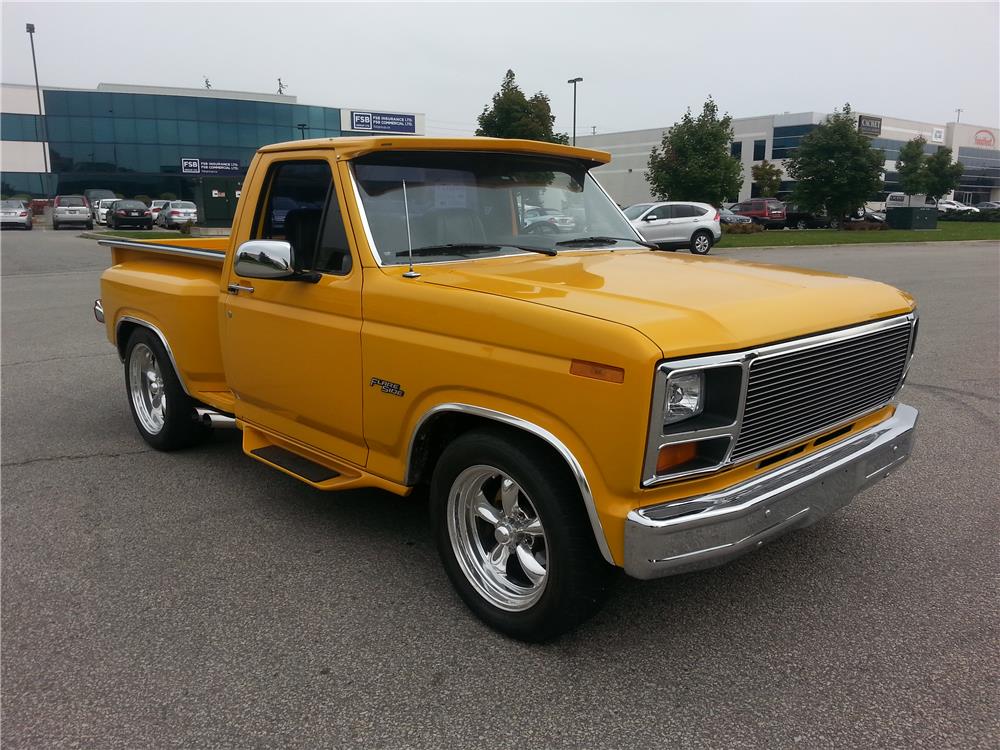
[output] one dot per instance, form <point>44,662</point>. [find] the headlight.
<point>685,397</point>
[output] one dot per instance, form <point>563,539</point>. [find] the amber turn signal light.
<point>597,371</point>
<point>674,455</point>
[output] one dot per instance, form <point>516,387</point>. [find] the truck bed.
<point>173,287</point>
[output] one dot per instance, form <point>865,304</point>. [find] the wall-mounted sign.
<point>210,166</point>
<point>218,194</point>
<point>870,126</point>
<point>985,138</point>
<point>378,122</point>
<point>937,135</point>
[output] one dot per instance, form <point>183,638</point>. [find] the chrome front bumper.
<point>708,530</point>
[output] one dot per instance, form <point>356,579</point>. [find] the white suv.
<point>673,224</point>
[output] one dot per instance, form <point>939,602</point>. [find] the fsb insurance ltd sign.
<point>366,121</point>
<point>210,166</point>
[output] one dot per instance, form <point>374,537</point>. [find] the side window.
<point>685,212</point>
<point>299,205</point>
<point>662,212</point>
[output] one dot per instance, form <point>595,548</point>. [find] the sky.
<point>642,64</point>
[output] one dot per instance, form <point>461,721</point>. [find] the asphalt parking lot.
<point>198,599</point>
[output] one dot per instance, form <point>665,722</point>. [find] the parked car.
<point>15,214</point>
<point>797,217</point>
<point>547,221</point>
<point>728,217</point>
<point>567,404</point>
<point>95,196</point>
<point>947,206</point>
<point>129,213</point>
<point>768,212</point>
<point>988,206</point>
<point>155,206</point>
<point>175,213</point>
<point>71,209</point>
<point>673,224</point>
<point>101,209</point>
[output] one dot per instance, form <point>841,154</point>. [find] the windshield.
<point>130,204</point>
<point>458,199</point>
<point>12,204</point>
<point>71,200</point>
<point>182,204</point>
<point>634,212</point>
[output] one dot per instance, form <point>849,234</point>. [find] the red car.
<point>770,212</point>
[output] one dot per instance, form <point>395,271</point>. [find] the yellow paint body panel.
<point>297,361</point>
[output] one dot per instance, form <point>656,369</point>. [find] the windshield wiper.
<point>601,240</point>
<point>476,247</point>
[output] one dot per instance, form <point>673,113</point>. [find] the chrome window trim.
<point>567,455</point>
<point>378,257</point>
<point>657,438</point>
<point>187,252</point>
<point>160,336</point>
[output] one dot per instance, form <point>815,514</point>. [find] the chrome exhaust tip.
<point>215,420</point>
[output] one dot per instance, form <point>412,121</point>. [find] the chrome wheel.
<point>146,387</point>
<point>497,538</point>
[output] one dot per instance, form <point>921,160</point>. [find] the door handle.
<point>236,289</point>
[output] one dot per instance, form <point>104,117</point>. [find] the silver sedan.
<point>15,214</point>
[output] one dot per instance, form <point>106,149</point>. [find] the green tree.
<point>768,177</point>
<point>835,166</point>
<point>942,174</point>
<point>513,115</point>
<point>693,162</point>
<point>911,167</point>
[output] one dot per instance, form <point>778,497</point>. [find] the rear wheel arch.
<point>438,427</point>
<point>123,332</point>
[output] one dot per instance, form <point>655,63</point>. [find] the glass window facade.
<point>736,149</point>
<point>981,175</point>
<point>133,144</point>
<point>759,150</point>
<point>150,133</point>
<point>787,139</point>
<point>20,127</point>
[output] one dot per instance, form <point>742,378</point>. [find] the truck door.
<point>292,348</point>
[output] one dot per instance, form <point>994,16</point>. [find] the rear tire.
<point>801,224</point>
<point>162,411</point>
<point>701,242</point>
<point>514,537</point>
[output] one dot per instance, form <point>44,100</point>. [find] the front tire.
<point>162,411</point>
<point>701,242</point>
<point>514,537</point>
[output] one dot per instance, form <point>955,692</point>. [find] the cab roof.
<point>353,146</point>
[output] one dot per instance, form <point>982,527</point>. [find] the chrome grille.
<point>798,393</point>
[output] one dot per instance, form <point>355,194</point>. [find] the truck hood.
<point>683,304</point>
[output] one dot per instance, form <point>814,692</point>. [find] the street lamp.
<point>30,28</point>
<point>302,129</point>
<point>574,81</point>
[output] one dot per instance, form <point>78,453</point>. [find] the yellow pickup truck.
<point>384,314</point>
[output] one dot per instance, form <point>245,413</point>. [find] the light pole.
<point>574,81</point>
<point>30,28</point>
<point>302,130</point>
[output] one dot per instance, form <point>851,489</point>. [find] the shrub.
<point>864,226</point>
<point>990,214</point>
<point>144,198</point>
<point>185,228</point>
<point>742,228</point>
<point>168,197</point>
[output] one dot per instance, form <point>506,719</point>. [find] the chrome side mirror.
<point>265,259</point>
